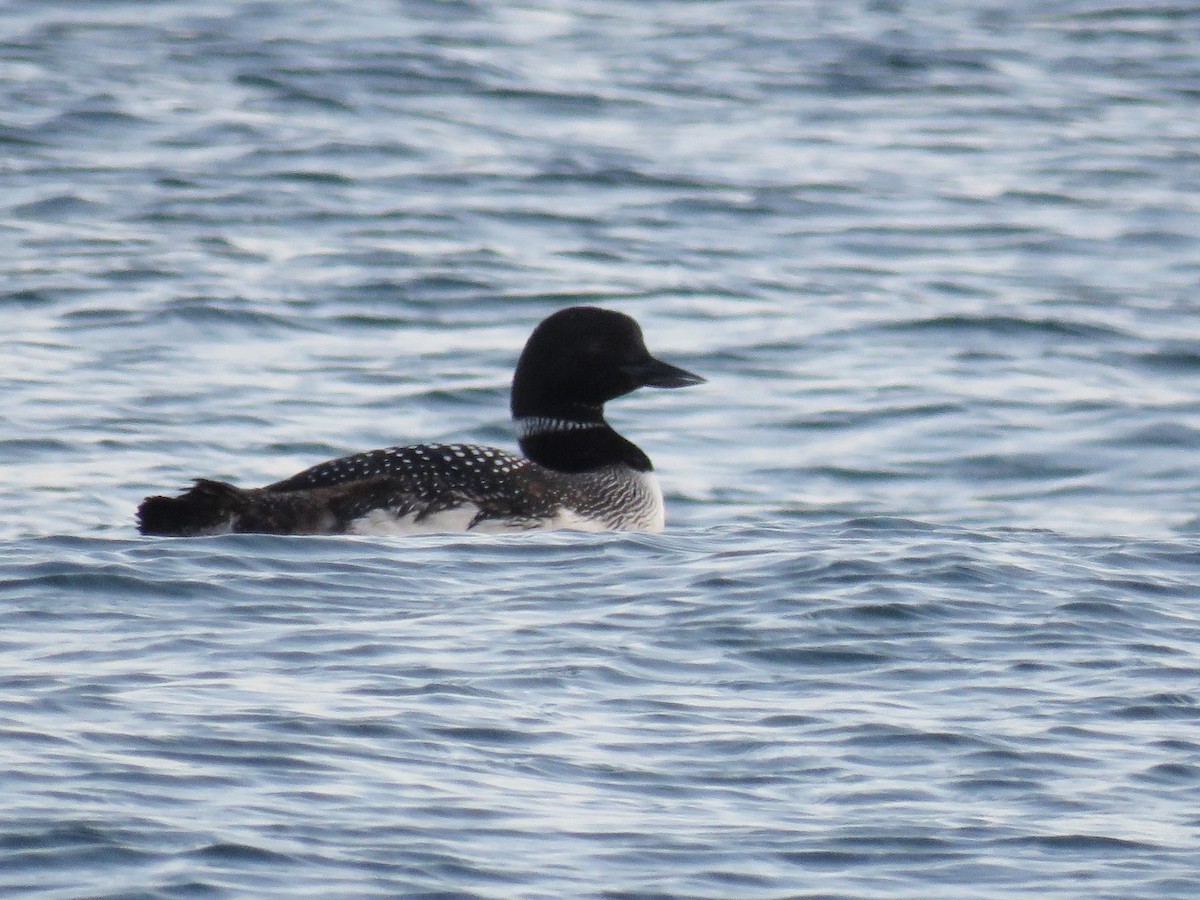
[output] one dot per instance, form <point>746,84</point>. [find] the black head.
<point>581,357</point>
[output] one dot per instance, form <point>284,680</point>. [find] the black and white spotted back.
<point>426,469</point>
<point>439,487</point>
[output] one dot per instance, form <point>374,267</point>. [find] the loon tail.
<point>208,507</point>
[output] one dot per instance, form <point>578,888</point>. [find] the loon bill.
<point>575,471</point>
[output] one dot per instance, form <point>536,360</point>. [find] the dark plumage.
<point>577,471</point>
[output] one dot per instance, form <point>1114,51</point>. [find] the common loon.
<point>576,472</point>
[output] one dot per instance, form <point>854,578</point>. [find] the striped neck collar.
<point>529,426</point>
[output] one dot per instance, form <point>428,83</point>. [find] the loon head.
<point>581,357</point>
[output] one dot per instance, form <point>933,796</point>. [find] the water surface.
<point>924,620</point>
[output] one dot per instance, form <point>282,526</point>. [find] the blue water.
<point>926,619</point>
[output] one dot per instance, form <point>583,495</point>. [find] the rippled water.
<point>924,622</point>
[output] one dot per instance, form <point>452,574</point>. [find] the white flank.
<point>386,522</point>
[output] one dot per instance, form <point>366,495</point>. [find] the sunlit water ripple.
<point>923,622</point>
